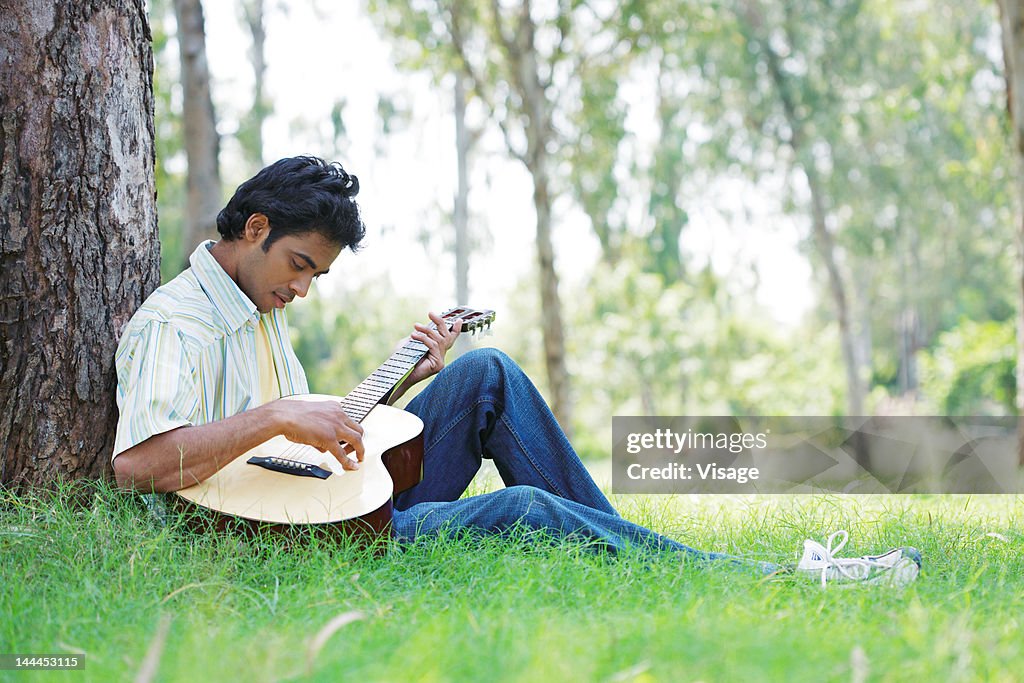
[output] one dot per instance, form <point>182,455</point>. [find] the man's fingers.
<point>432,342</point>
<point>353,439</point>
<point>428,331</point>
<point>343,458</point>
<point>326,426</point>
<point>351,450</point>
<point>442,326</point>
<point>348,438</point>
<point>447,336</point>
<point>352,424</point>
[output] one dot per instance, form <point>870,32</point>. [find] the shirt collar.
<point>231,302</point>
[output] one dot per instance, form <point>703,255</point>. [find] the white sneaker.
<point>897,567</point>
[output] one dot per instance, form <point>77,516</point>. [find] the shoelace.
<point>828,553</point>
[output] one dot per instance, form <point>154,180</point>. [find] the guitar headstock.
<point>473,320</point>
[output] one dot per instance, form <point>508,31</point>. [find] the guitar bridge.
<point>299,469</point>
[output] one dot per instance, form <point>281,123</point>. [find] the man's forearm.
<point>187,455</point>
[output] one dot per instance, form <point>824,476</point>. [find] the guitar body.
<point>282,485</point>
<point>353,501</point>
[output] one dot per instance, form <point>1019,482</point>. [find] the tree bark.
<point>910,318</point>
<point>823,240</point>
<point>79,249</point>
<point>252,134</point>
<point>827,252</point>
<point>202,144</point>
<point>1011,13</point>
<point>550,303</point>
<point>539,132</point>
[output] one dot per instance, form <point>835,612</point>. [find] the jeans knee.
<point>490,368</point>
<point>486,359</point>
<point>521,497</point>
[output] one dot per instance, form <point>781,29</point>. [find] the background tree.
<point>250,129</point>
<point>202,143</point>
<point>801,91</point>
<point>171,164</point>
<point>521,69</point>
<point>78,234</point>
<point>516,57</point>
<point>460,210</point>
<point>423,44</point>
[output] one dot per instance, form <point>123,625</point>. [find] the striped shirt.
<point>188,356</point>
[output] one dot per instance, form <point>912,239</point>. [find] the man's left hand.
<point>438,341</point>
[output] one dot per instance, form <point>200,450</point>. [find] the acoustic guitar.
<point>282,484</point>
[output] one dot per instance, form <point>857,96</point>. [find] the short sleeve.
<point>156,389</point>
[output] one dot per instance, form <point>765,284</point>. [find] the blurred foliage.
<point>897,109</point>
<point>971,370</point>
<point>342,338</point>
<point>640,346</point>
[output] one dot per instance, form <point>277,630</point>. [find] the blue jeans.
<point>483,406</point>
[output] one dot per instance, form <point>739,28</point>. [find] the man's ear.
<point>256,228</point>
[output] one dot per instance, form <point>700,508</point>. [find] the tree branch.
<point>479,82</point>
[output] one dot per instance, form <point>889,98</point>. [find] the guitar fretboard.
<point>372,390</point>
<point>361,400</point>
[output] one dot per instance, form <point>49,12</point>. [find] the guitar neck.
<point>382,381</point>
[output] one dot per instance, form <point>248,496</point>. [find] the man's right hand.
<point>187,455</point>
<point>324,425</point>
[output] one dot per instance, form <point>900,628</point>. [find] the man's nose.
<point>301,286</point>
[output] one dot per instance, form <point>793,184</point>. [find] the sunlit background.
<point>904,113</point>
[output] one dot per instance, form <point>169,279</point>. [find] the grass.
<point>107,579</point>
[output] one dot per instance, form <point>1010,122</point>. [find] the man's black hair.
<point>298,195</point>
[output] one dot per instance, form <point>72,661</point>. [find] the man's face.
<point>286,270</point>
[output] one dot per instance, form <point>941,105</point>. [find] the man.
<point>201,365</point>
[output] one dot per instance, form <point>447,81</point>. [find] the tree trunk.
<point>823,240</point>
<point>460,210</point>
<point>1011,14</point>
<point>847,337</point>
<point>910,318</point>
<point>251,135</point>
<point>79,249</point>
<point>539,132</point>
<point>827,251</point>
<point>529,107</point>
<point>460,214</point>
<point>822,237</point>
<point>202,145</point>
<point>550,304</point>
<point>663,207</point>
